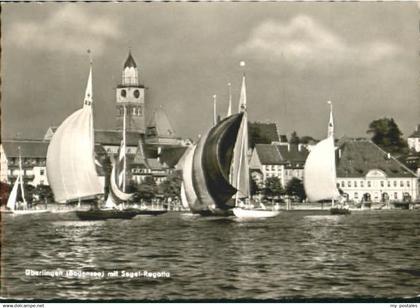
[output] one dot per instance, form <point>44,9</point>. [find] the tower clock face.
<point>136,93</point>
<point>123,93</point>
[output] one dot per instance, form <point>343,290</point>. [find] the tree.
<point>272,187</point>
<point>147,190</point>
<point>307,140</point>
<point>258,134</point>
<point>387,135</point>
<point>294,138</point>
<point>4,192</point>
<point>171,187</point>
<point>29,193</point>
<point>295,188</point>
<point>254,190</point>
<point>44,194</point>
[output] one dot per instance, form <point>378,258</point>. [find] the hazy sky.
<point>362,56</point>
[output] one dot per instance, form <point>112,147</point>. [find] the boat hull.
<point>339,211</point>
<point>99,214</point>
<point>24,212</point>
<point>149,212</point>
<point>245,213</point>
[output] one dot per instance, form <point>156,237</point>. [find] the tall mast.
<point>20,177</point>
<point>214,109</point>
<point>331,121</point>
<point>242,176</point>
<point>331,135</point>
<point>124,149</point>
<point>229,112</point>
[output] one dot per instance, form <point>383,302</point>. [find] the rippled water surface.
<point>295,255</point>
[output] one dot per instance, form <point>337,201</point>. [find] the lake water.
<point>295,255</point>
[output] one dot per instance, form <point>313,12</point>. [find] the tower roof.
<point>130,61</point>
<point>160,125</point>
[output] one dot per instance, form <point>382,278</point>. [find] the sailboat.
<point>212,176</point>
<point>240,170</point>
<point>319,177</point>
<point>20,208</point>
<point>71,169</point>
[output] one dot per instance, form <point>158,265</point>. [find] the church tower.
<point>130,93</point>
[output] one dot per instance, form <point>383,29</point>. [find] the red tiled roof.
<point>28,148</point>
<point>358,157</point>
<point>112,137</point>
<point>268,154</point>
<point>291,156</point>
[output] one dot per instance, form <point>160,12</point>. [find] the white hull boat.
<point>254,213</point>
<point>25,212</point>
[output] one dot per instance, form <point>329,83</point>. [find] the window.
<point>355,184</point>
<point>348,183</point>
<point>395,183</point>
<point>368,183</point>
<point>395,195</point>
<point>338,185</point>
<point>401,184</point>
<point>361,183</point>
<point>356,195</point>
<point>388,183</point>
<point>41,182</point>
<point>343,184</point>
<point>408,183</point>
<point>41,172</point>
<point>382,183</point>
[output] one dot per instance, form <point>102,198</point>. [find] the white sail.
<point>240,166</point>
<point>184,201</point>
<point>121,195</point>
<point>319,172</point>
<point>110,203</point>
<point>22,189</point>
<point>11,202</point>
<point>70,158</point>
<point>190,195</point>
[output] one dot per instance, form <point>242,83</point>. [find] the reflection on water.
<point>294,255</point>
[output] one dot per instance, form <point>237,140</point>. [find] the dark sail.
<point>211,166</point>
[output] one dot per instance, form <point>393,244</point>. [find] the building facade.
<point>284,161</point>
<point>33,155</point>
<point>414,140</point>
<point>365,171</point>
<point>151,150</point>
